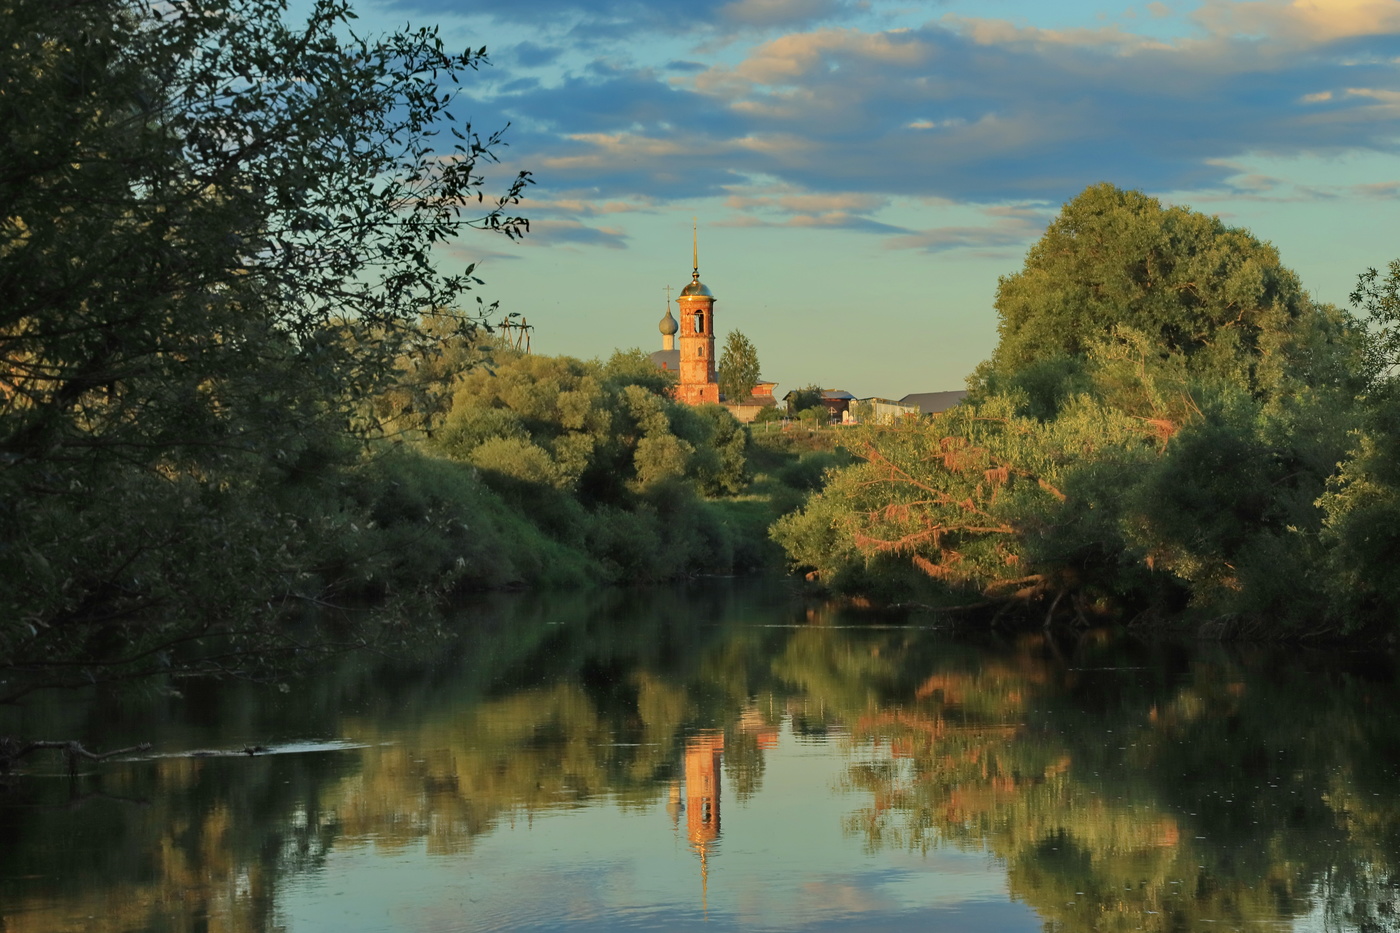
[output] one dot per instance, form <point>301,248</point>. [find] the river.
<point>725,756</point>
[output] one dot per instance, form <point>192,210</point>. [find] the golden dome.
<point>695,289</point>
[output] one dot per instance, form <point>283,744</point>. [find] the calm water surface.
<point>727,758</point>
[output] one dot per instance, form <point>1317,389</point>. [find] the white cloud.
<point>795,56</point>
<point>970,110</point>
<point>1305,22</point>
<point>1007,226</point>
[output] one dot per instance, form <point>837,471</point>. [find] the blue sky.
<point>863,171</point>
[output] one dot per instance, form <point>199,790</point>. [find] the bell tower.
<point>699,383</point>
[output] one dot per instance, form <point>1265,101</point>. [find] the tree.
<point>1215,295</point>
<point>600,455</point>
<point>242,202</point>
<point>738,367</point>
<point>219,236</point>
<point>807,397</point>
<point>1379,298</point>
<point>1155,431</point>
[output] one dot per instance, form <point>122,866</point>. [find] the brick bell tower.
<point>698,381</point>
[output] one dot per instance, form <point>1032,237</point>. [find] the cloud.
<point>556,232</point>
<point>999,32</point>
<point>574,204</point>
<point>826,220</point>
<point>841,121</point>
<point>1306,22</point>
<point>793,57</point>
<point>779,12</point>
<point>1009,226</point>
<point>796,202</point>
<point>612,100</point>
<point>603,20</point>
<point>533,55</point>
<point>1388,190</point>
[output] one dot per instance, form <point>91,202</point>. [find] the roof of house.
<point>931,403</point>
<point>837,394</point>
<point>667,359</point>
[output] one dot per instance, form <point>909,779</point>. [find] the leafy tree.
<point>601,457</point>
<point>738,367</point>
<point>1195,288</point>
<point>807,397</point>
<point>1153,432</point>
<point>1362,502</point>
<point>1379,298</point>
<point>217,242</point>
<point>243,203</point>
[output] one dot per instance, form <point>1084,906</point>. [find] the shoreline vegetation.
<point>1170,432</point>
<point>237,395</point>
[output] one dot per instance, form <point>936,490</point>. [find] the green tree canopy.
<point>807,397</point>
<point>738,367</point>
<point>1155,431</point>
<point>1212,294</point>
<point>217,236</point>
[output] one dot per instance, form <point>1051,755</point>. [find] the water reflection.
<point>727,757</point>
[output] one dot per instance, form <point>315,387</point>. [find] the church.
<point>694,360</point>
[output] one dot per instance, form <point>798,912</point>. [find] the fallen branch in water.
<point>11,751</point>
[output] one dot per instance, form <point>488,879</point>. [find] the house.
<point>760,398</point>
<point>931,403</point>
<point>837,402</point>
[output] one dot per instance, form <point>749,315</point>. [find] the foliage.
<point>1362,501</point>
<point>807,397</point>
<point>601,458</point>
<point>1379,298</point>
<point>738,367</point>
<point>217,243</point>
<point>1155,432</point>
<point>1195,288</point>
<point>809,471</point>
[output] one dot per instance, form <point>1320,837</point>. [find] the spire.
<point>695,289</point>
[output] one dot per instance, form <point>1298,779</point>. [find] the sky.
<point>861,172</point>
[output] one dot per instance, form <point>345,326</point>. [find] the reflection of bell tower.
<point>699,383</point>
<point>702,755</point>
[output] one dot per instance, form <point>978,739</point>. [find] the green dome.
<point>669,325</point>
